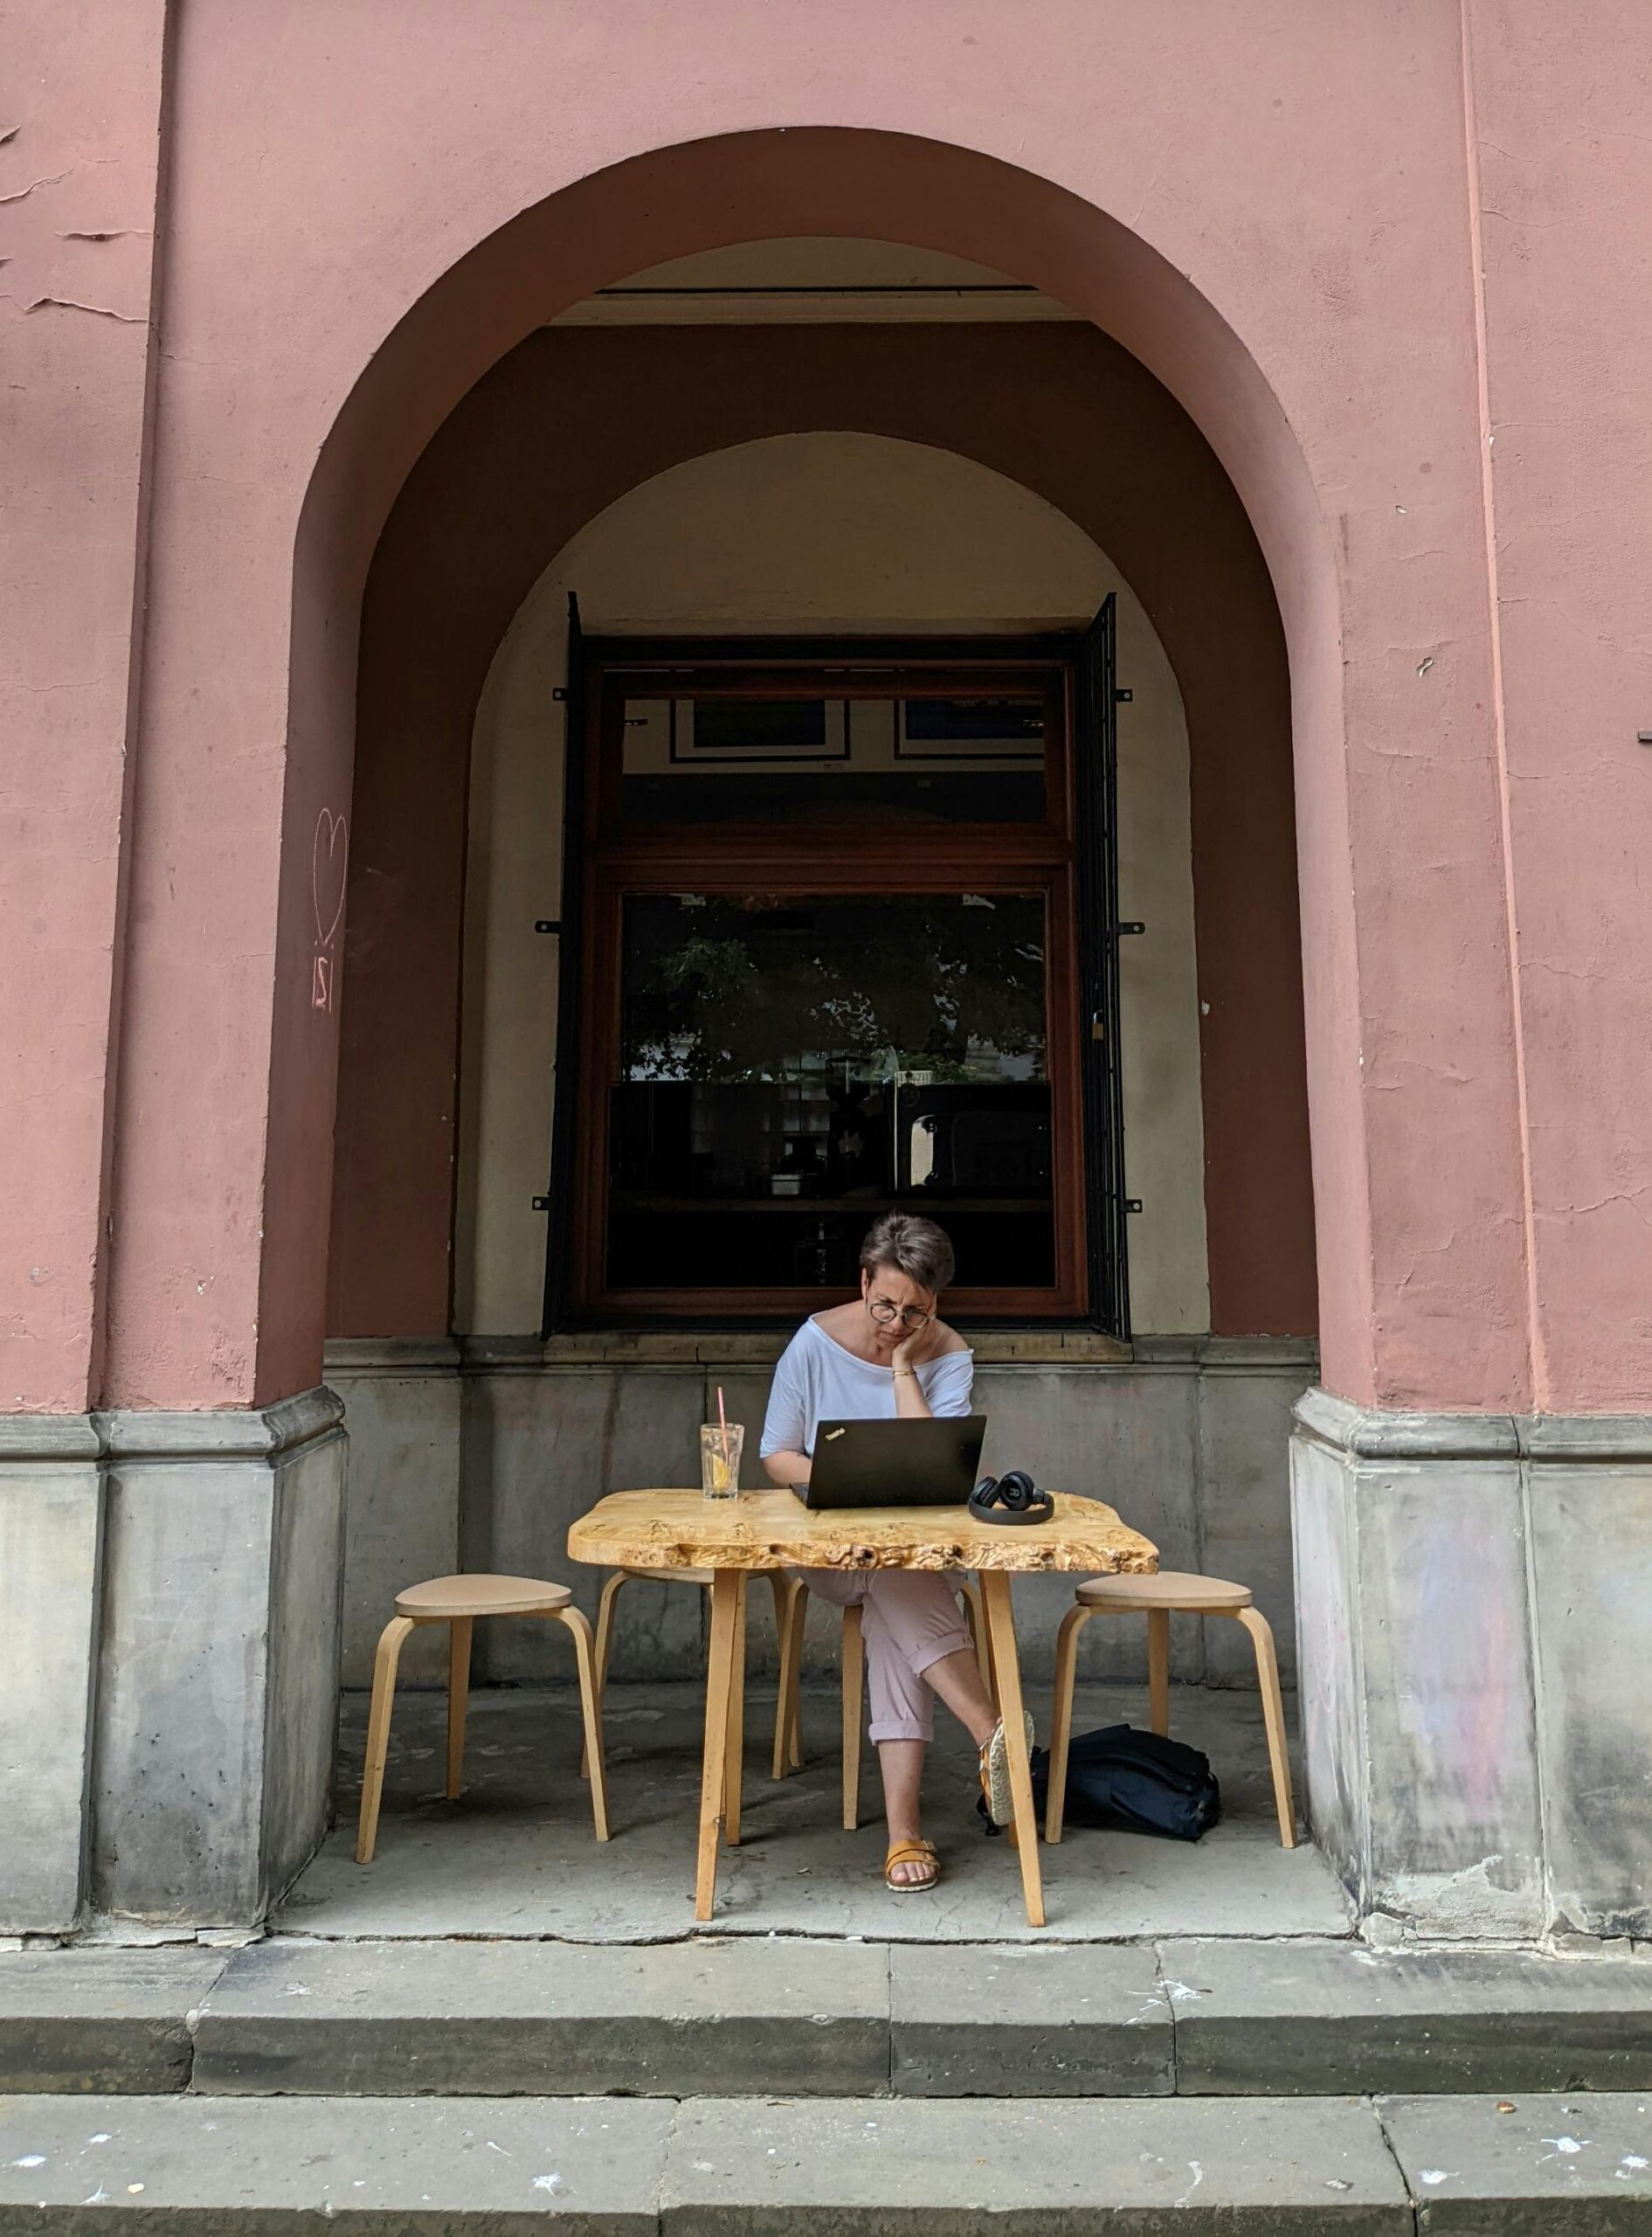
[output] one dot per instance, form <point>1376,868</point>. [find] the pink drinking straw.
<point>722,1420</point>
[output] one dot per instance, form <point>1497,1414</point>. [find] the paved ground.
<point>514,1855</point>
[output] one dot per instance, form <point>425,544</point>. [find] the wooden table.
<point>769,1530</point>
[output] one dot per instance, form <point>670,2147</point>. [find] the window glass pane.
<point>791,1067</point>
<point>714,759</point>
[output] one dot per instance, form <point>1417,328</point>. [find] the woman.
<point>888,1353</point>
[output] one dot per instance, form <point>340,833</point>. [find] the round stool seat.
<point>442,1597</point>
<point>1177,1590</point>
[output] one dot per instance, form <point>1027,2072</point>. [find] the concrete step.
<point>846,2167</point>
<point>745,2017</point>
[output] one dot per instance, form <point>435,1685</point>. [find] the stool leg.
<point>1061,1718</point>
<point>390,1653</point>
<point>1261,1638</point>
<point>787,1753</point>
<point>734,1759</point>
<point>854,1714</point>
<point>591,1710</point>
<point>605,1644</point>
<point>457,1698</point>
<point>1158,1669</point>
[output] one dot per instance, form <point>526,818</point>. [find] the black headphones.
<point>1012,1498</point>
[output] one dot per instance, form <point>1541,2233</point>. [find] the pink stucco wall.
<point>1562,196</point>
<point>1278,209</point>
<point>79,149</point>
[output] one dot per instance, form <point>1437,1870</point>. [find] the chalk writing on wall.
<point>330,858</point>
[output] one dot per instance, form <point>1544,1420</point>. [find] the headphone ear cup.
<point>1017,1490</point>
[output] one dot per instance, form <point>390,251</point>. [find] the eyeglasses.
<point>909,1316</point>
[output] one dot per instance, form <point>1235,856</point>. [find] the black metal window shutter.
<point>558,1202</point>
<point>1096,770</point>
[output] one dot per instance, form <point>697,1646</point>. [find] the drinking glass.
<point>720,1459</point>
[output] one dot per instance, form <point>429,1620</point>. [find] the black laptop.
<point>896,1463</point>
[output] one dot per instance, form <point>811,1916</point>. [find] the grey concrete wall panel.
<point>560,1439</point>
<point>196,1632</point>
<point>1479,1593</point>
<point>1125,1437</point>
<point>540,1439</point>
<point>180,1717</point>
<point>51,1539</point>
<point>1591,1573</point>
<point>302,1706</point>
<point>402,1411</point>
<point>1244,1506</point>
<point>1329,1677</point>
<point>1455,1836</point>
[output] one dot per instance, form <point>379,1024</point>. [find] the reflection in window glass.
<point>791,1067</point>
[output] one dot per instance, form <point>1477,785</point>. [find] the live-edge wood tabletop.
<point>670,1530</point>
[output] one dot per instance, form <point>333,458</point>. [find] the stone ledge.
<point>968,2021</point>
<point>1311,2018</point>
<point>774,2016</point>
<point>389,1355</point>
<point>1060,2168</point>
<point>664,1348</point>
<point>232,2167</point>
<point>1372,1433</point>
<point>845,2167</point>
<point>31,1440</point>
<point>221,1432</point>
<point>547,2019</point>
<point>116,2020</point>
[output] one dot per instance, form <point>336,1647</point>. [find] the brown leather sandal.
<point>911,1853</point>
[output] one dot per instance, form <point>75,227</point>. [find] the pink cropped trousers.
<point>911,1618</point>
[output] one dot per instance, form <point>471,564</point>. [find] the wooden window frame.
<point>618,860</point>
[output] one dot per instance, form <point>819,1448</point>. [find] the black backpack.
<point>1133,1782</point>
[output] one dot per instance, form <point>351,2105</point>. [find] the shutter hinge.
<point>541,1204</point>
<point>1132,1204</point>
<point>560,694</point>
<point>1122,699</point>
<point>546,924</point>
<point>1132,927</point>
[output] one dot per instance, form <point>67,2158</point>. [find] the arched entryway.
<point>258,1336</point>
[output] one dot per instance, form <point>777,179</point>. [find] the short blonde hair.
<point>914,1247</point>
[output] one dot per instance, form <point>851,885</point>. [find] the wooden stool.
<point>1169,1592</point>
<point>458,1601</point>
<point>788,1717</point>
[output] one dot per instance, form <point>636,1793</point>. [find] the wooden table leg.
<point>734,1755</point>
<point>1000,1618</point>
<point>725,1608</point>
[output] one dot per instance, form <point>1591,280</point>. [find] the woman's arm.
<point>910,1404</point>
<point>787,1467</point>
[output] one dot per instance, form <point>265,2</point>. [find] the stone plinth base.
<point>169,1590</point>
<point>1476,1692</point>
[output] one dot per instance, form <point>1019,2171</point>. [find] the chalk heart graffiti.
<point>329,861</point>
